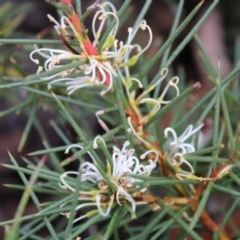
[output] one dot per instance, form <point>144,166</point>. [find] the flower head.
<point>120,173</point>
<point>178,147</point>
<point>180,142</point>
<point>102,65</point>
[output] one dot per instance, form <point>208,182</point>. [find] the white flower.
<point>118,54</point>
<point>102,66</point>
<point>180,142</point>
<point>96,71</point>
<point>121,54</point>
<point>119,170</point>
<point>179,147</point>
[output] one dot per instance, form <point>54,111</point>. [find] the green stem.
<point>182,224</point>
<point>227,118</point>
<point>26,131</point>
<point>201,206</point>
<point>217,114</point>
<point>18,107</point>
<point>30,79</point>
<point>29,41</point>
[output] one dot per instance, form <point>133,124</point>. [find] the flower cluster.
<point>102,63</point>
<point>117,178</point>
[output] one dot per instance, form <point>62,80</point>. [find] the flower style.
<point>118,172</point>
<point>103,64</point>
<point>179,147</point>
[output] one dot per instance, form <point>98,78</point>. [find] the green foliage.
<point>142,178</point>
